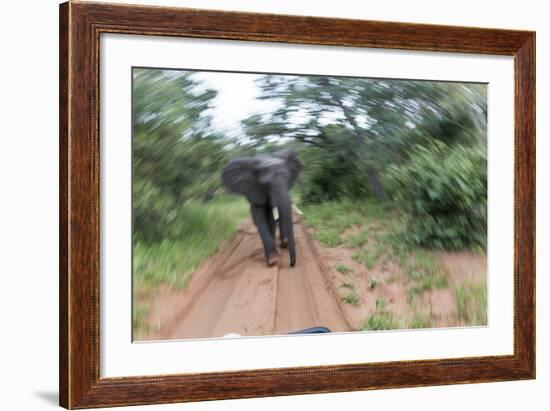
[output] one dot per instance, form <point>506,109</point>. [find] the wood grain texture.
<point>80,27</point>
<point>524,203</point>
<point>63,205</point>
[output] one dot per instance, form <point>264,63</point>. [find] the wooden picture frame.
<point>80,27</point>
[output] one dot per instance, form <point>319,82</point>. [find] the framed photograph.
<point>260,205</point>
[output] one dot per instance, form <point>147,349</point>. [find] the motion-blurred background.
<point>394,178</point>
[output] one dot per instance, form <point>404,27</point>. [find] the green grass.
<point>357,240</point>
<point>332,218</point>
<point>428,282</point>
<point>351,298</point>
<point>328,237</point>
<point>380,304</point>
<point>203,227</point>
<point>420,321</point>
<point>424,273</point>
<point>471,301</point>
<point>418,263</point>
<point>348,285</point>
<point>382,320</point>
<point>343,269</point>
<point>369,256</point>
<point>139,321</point>
<point>381,242</point>
<point>376,244</point>
<point>394,242</point>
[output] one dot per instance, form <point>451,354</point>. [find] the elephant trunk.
<point>284,206</point>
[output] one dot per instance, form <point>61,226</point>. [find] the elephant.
<point>265,180</point>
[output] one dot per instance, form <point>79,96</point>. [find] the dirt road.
<point>235,292</point>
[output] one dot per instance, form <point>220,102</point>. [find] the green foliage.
<point>471,301</point>
<point>343,269</point>
<point>357,240</point>
<point>444,190</point>
<point>351,298</point>
<point>364,257</point>
<point>420,321</point>
<point>334,170</point>
<point>330,219</point>
<point>139,320</point>
<point>201,228</point>
<point>380,304</point>
<point>350,131</point>
<point>424,273</point>
<point>381,320</point>
<point>348,285</point>
<point>176,156</point>
<point>328,237</point>
<point>370,123</point>
<point>428,282</point>
<point>357,138</point>
<point>370,256</point>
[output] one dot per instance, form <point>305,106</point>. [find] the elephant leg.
<point>270,221</point>
<point>260,219</point>
<point>283,235</point>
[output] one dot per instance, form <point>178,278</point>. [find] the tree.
<point>176,155</point>
<point>386,118</point>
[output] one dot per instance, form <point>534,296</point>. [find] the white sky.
<point>236,99</point>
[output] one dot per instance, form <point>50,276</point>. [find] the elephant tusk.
<point>275,214</point>
<point>297,210</point>
<point>294,208</point>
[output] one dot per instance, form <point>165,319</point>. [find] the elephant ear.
<point>240,175</point>
<point>293,163</point>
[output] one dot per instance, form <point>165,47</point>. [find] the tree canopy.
<point>354,135</point>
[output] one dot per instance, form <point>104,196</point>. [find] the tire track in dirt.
<point>234,291</point>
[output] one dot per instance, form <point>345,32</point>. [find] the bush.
<point>154,211</point>
<point>196,232</point>
<point>333,172</point>
<point>471,302</point>
<point>444,191</point>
